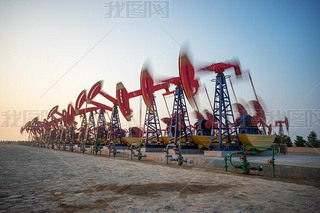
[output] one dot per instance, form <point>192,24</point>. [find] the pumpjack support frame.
<point>101,126</point>
<point>180,123</point>
<point>152,124</point>
<point>226,131</point>
<point>114,132</point>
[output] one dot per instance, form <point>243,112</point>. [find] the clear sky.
<point>51,50</point>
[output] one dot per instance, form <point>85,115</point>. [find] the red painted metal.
<point>260,117</point>
<point>54,123</point>
<point>187,76</point>
<point>99,105</point>
<point>166,120</point>
<point>199,115</point>
<point>135,132</point>
<point>82,97</point>
<point>71,115</point>
<point>148,87</point>
<point>286,122</point>
<point>146,90</point>
<point>240,108</point>
<point>259,110</point>
<point>281,122</point>
<point>53,111</point>
<point>34,126</point>
<point>66,116</point>
<point>86,110</point>
<point>97,89</point>
<point>123,100</point>
<point>209,122</point>
<point>254,90</point>
<point>219,68</point>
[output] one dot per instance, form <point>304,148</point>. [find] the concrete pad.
<point>159,157</point>
<point>152,149</point>
<point>303,151</point>
<point>191,151</point>
<point>217,153</point>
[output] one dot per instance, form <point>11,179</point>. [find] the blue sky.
<point>277,40</point>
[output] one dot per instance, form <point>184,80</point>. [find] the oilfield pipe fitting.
<point>270,161</point>
<point>83,148</point>
<point>113,149</point>
<point>97,147</point>
<point>71,147</point>
<point>136,152</point>
<point>245,165</point>
<point>178,152</point>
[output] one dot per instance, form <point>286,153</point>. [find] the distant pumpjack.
<point>280,125</point>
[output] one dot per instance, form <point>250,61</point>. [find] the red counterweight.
<point>187,76</point>
<point>123,100</point>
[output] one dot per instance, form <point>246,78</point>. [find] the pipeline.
<point>83,147</point>
<point>178,152</point>
<point>136,152</point>
<point>245,165</point>
<point>97,147</point>
<point>112,149</point>
<point>272,160</point>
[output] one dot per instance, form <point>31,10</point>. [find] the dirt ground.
<point>44,180</point>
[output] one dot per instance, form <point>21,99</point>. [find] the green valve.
<point>245,165</point>
<point>97,147</point>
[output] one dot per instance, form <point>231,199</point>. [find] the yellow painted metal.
<point>165,139</point>
<point>130,140</point>
<point>201,141</point>
<point>204,141</point>
<point>256,140</point>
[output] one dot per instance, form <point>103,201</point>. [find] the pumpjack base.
<point>120,146</point>
<point>217,153</point>
<point>224,148</point>
<point>189,150</point>
<point>88,145</point>
<point>153,148</point>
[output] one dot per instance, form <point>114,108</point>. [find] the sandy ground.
<point>44,180</point>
